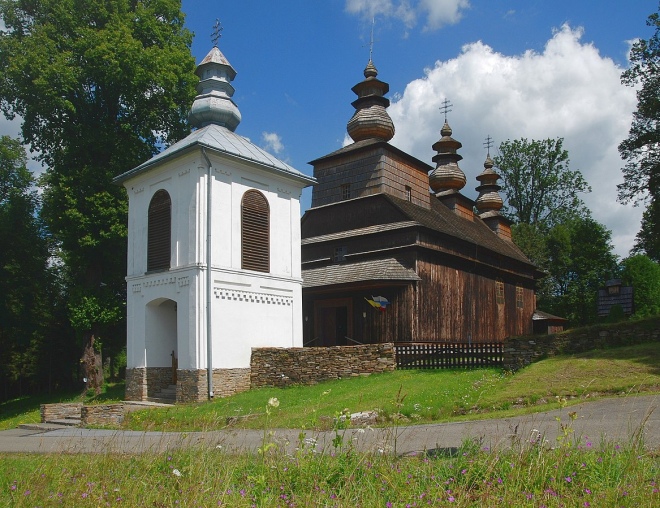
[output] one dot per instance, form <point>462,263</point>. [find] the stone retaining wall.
<point>103,414</point>
<point>51,412</point>
<point>521,351</point>
<point>309,365</point>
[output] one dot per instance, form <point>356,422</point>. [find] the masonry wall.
<point>309,365</point>
<point>522,351</point>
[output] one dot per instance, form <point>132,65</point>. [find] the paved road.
<point>616,419</point>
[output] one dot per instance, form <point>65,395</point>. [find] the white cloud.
<point>569,90</point>
<point>272,142</point>
<point>437,12</point>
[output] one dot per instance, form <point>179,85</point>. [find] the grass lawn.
<point>419,396</point>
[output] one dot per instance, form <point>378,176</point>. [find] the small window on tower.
<point>346,191</point>
<point>499,291</point>
<point>339,254</point>
<point>408,193</point>
<point>519,297</point>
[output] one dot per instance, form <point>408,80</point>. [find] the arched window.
<point>255,232</point>
<point>159,232</point>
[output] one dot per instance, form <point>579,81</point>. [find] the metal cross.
<point>488,144</point>
<point>371,41</point>
<point>217,33</point>
<point>445,108</point>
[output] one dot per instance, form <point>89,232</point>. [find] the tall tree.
<point>23,270</point>
<point>580,260</point>
<point>101,85</point>
<point>641,150</point>
<point>539,186</point>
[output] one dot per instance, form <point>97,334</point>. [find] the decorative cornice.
<point>250,297</point>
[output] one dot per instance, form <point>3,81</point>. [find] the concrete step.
<point>160,400</point>
<point>70,422</point>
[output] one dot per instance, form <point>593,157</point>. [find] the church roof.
<point>342,273</point>
<point>219,139</point>
<point>438,218</point>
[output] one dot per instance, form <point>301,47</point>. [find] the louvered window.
<point>255,232</point>
<point>159,232</point>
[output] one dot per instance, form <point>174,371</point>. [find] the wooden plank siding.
<point>460,305</point>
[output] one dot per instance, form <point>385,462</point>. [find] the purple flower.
<point>451,499</point>
<point>388,505</point>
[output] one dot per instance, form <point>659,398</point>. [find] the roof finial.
<point>488,144</point>
<point>445,108</point>
<point>217,33</point>
<point>371,41</point>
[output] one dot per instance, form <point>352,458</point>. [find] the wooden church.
<point>211,269</point>
<point>393,252</point>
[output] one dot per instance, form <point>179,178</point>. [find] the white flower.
<point>176,472</point>
<point>273,402</point>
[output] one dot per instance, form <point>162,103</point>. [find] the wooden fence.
<point>442,355</point>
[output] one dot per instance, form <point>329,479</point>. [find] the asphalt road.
<point>615,419</point>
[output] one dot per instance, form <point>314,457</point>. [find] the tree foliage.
<point>540,188</point>
<point>579,261</point>
<point>641,150</point>
<point>23,269</point>
<point>101,86</point>
<point>643,274</point>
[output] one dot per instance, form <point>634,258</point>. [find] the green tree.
<point>101,86</point>
<point>641,173</point>
<point>580,260</point>
<point>23,271</point>
<point>643,274</point>
<point>539,187</point>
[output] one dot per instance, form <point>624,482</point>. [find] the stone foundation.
<point>227,382</point>
<point>309,365</point>
<point>143,382</point>
<point>106,414</point>
<point>192,385</point>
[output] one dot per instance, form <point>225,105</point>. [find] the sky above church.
<point>511,69</point>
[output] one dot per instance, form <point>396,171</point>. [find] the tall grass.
<point>532,474</point>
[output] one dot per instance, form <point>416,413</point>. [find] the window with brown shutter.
<point>159,232</point>
<point>255,232</point>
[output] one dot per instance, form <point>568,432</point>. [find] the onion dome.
<point>213,105</point>
<point>370,120</point>
<point>446,175</point>
<point>489,199</point>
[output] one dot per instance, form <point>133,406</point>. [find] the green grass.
<point>532,475</point>
<point>419,396</point>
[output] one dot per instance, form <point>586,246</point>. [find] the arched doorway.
<point>160,344</point>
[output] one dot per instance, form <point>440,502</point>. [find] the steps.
<point>164,396</point>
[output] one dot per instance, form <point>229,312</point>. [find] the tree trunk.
<point>92,366</point>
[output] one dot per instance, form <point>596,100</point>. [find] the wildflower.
<point>176,472</point>
<point>568,479</point>
<point>451,499</point>
<point>84,495</point>
<point>273,402</point>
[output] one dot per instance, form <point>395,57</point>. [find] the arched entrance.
<point>160,344</point>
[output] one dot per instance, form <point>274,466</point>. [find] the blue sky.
<point>512,69</point>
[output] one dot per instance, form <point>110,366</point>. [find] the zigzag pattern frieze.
<point>250,297</point>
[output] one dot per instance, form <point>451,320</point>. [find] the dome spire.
<point>371,120</point>
<point>446,176</point>
<point>489,201</point>
<point>213,104</point>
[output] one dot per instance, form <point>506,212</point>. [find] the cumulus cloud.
<point>569,90</point>
<point>272,142</point>
<point>437,13</point>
